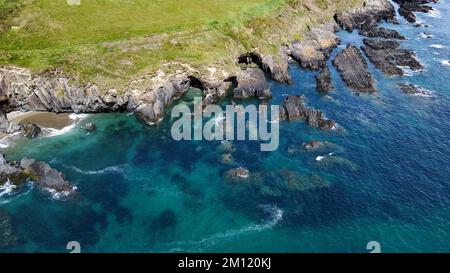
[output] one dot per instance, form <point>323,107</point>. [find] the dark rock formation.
<point>89,126</point>
<point>388,56</point>
<point>251,83</point>
<point>323,81</point>
<point>354,70</point>
<point>302,182</point>
<point>277,67</point>
<point>313,51</point>
<point>294,108</point>
<point>408,7</point>
<point>31,130</point>
<point>372,12</point>
<point>414,90</point>
<point>375,31</point>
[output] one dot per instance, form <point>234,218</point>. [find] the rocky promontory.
<point>354,70</point>
<point>408,7</point>
<point>46,177</point>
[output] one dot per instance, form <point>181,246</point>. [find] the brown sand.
<point>42,119</point>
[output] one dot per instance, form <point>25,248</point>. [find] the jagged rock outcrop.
<point>277,66</point>
<point>388,56</point>
<point>41,173</point>
<point>31,130</point>
<point>294,108</point>
<point>89,126</point>
<point>314,50</point>
<point>372,12</point>
<point>251,83</point>
<point>323,81</point>
<point>415,90</point>
<point>354,70</point>
<point>408,7</point>
<point>375,31</point>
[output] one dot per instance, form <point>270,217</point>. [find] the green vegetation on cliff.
<point>110,42</point>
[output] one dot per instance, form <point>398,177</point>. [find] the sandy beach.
<point>42,119</point>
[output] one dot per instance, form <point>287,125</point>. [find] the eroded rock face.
<point>408,7</point>
<point>388,56</point>
<point>354,70</point>
<point>294,108</point>
<point>251,83</point>
<point>375,31</point>
<point>372,12</point>
<point>31,130</point>
<point>323,81</point>
<point>314,50</point>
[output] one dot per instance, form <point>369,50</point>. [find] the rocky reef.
<point>8,237</point>
<point>323,81</point>
<point>408,7</point>
<point>388,56</point>
<point>294,108</point>
<point>354,70</point>
<point>17,173</point>
<point>414,90</point>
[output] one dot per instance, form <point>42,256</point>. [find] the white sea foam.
<point>438,46</point>
<point>276,215</point>
<point>59,195</point>
<point>426,35</point>
<point>7,189</point>
<point>111,169</point>
<point>435,13</point>
<point>78,117</point>
<point>51,132</point>
<point>320,158</point>
<point>445,62</point>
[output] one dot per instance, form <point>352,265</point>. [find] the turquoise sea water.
<point>140,191</point>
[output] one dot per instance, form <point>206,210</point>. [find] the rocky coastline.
<point>149,96</point>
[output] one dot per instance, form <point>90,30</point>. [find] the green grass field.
<point>109,42</point>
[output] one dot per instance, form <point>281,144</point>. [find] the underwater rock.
<point>166,219</point>
<point>315,145</point>
<point>331,161</point>
<point>251,82</point>
<point>294,108</point>
<point>31,130</point>
<point>8,237</point>
<point>239,174</point>
<point>323,81</point>
<point>226,146</point>
<point>294,181</point>
<point>388,56</point>
<point>414,90</point>
<point>354,70</point>
<point>226,159</point>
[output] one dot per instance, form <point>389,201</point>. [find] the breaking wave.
<point>111,169</point>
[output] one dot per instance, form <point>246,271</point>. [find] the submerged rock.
<point>414,90</point>
<point>8,237</point>
<point>294,108</point>
<point>315,145</point>
<point>31,130</point>
<point>226,159</point>
<point>294,181</point>
<point>251,83</point>
<point>166,219</point>
<point>323,81</point>
<point>332,161</point>
<point>388,56</point>
<point>354,70</point>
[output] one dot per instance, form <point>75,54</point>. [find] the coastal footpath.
<point>149,95</point>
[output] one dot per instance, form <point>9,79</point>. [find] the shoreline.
<point>41,119</point>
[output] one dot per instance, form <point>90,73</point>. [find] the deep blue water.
<point>140,191</point>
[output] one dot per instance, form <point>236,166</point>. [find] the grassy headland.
<point>110,42</point>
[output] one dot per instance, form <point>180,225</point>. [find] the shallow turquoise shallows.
<point>141,191</point>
